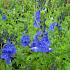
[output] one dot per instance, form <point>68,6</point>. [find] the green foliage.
<point>60,44</point>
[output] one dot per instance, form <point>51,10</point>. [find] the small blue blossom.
<point>36,25</point>
<point>4,17</point>
<point>53,25</point>
<point>25,40</point>
<point>37,16</point>
<point>8,51</point>
<point>6,58</point>
<point>9,48</point>
<point>37,19</point>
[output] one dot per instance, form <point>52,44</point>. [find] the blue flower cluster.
<point>25,40</point>
<point>4,17</point>
<point>41,45</point>
<point>41,42</point>
<point>37,19</point>
<point>8,51</point>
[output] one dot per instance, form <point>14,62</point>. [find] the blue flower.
<point>45,39</point>
<point>9,48</point>
<point>6,57</point>
<point>41,45</point>
<point>8,51</point>
<point>37,16</point>
<point>52,26</point>
<point>37,19</point>
<point>4,17</point>
<point>25,40</point>
<point>37,35</point>
<point>44,47</point>
<point>36,25</point>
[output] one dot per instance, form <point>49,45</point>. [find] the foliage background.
<point>20,13</point>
